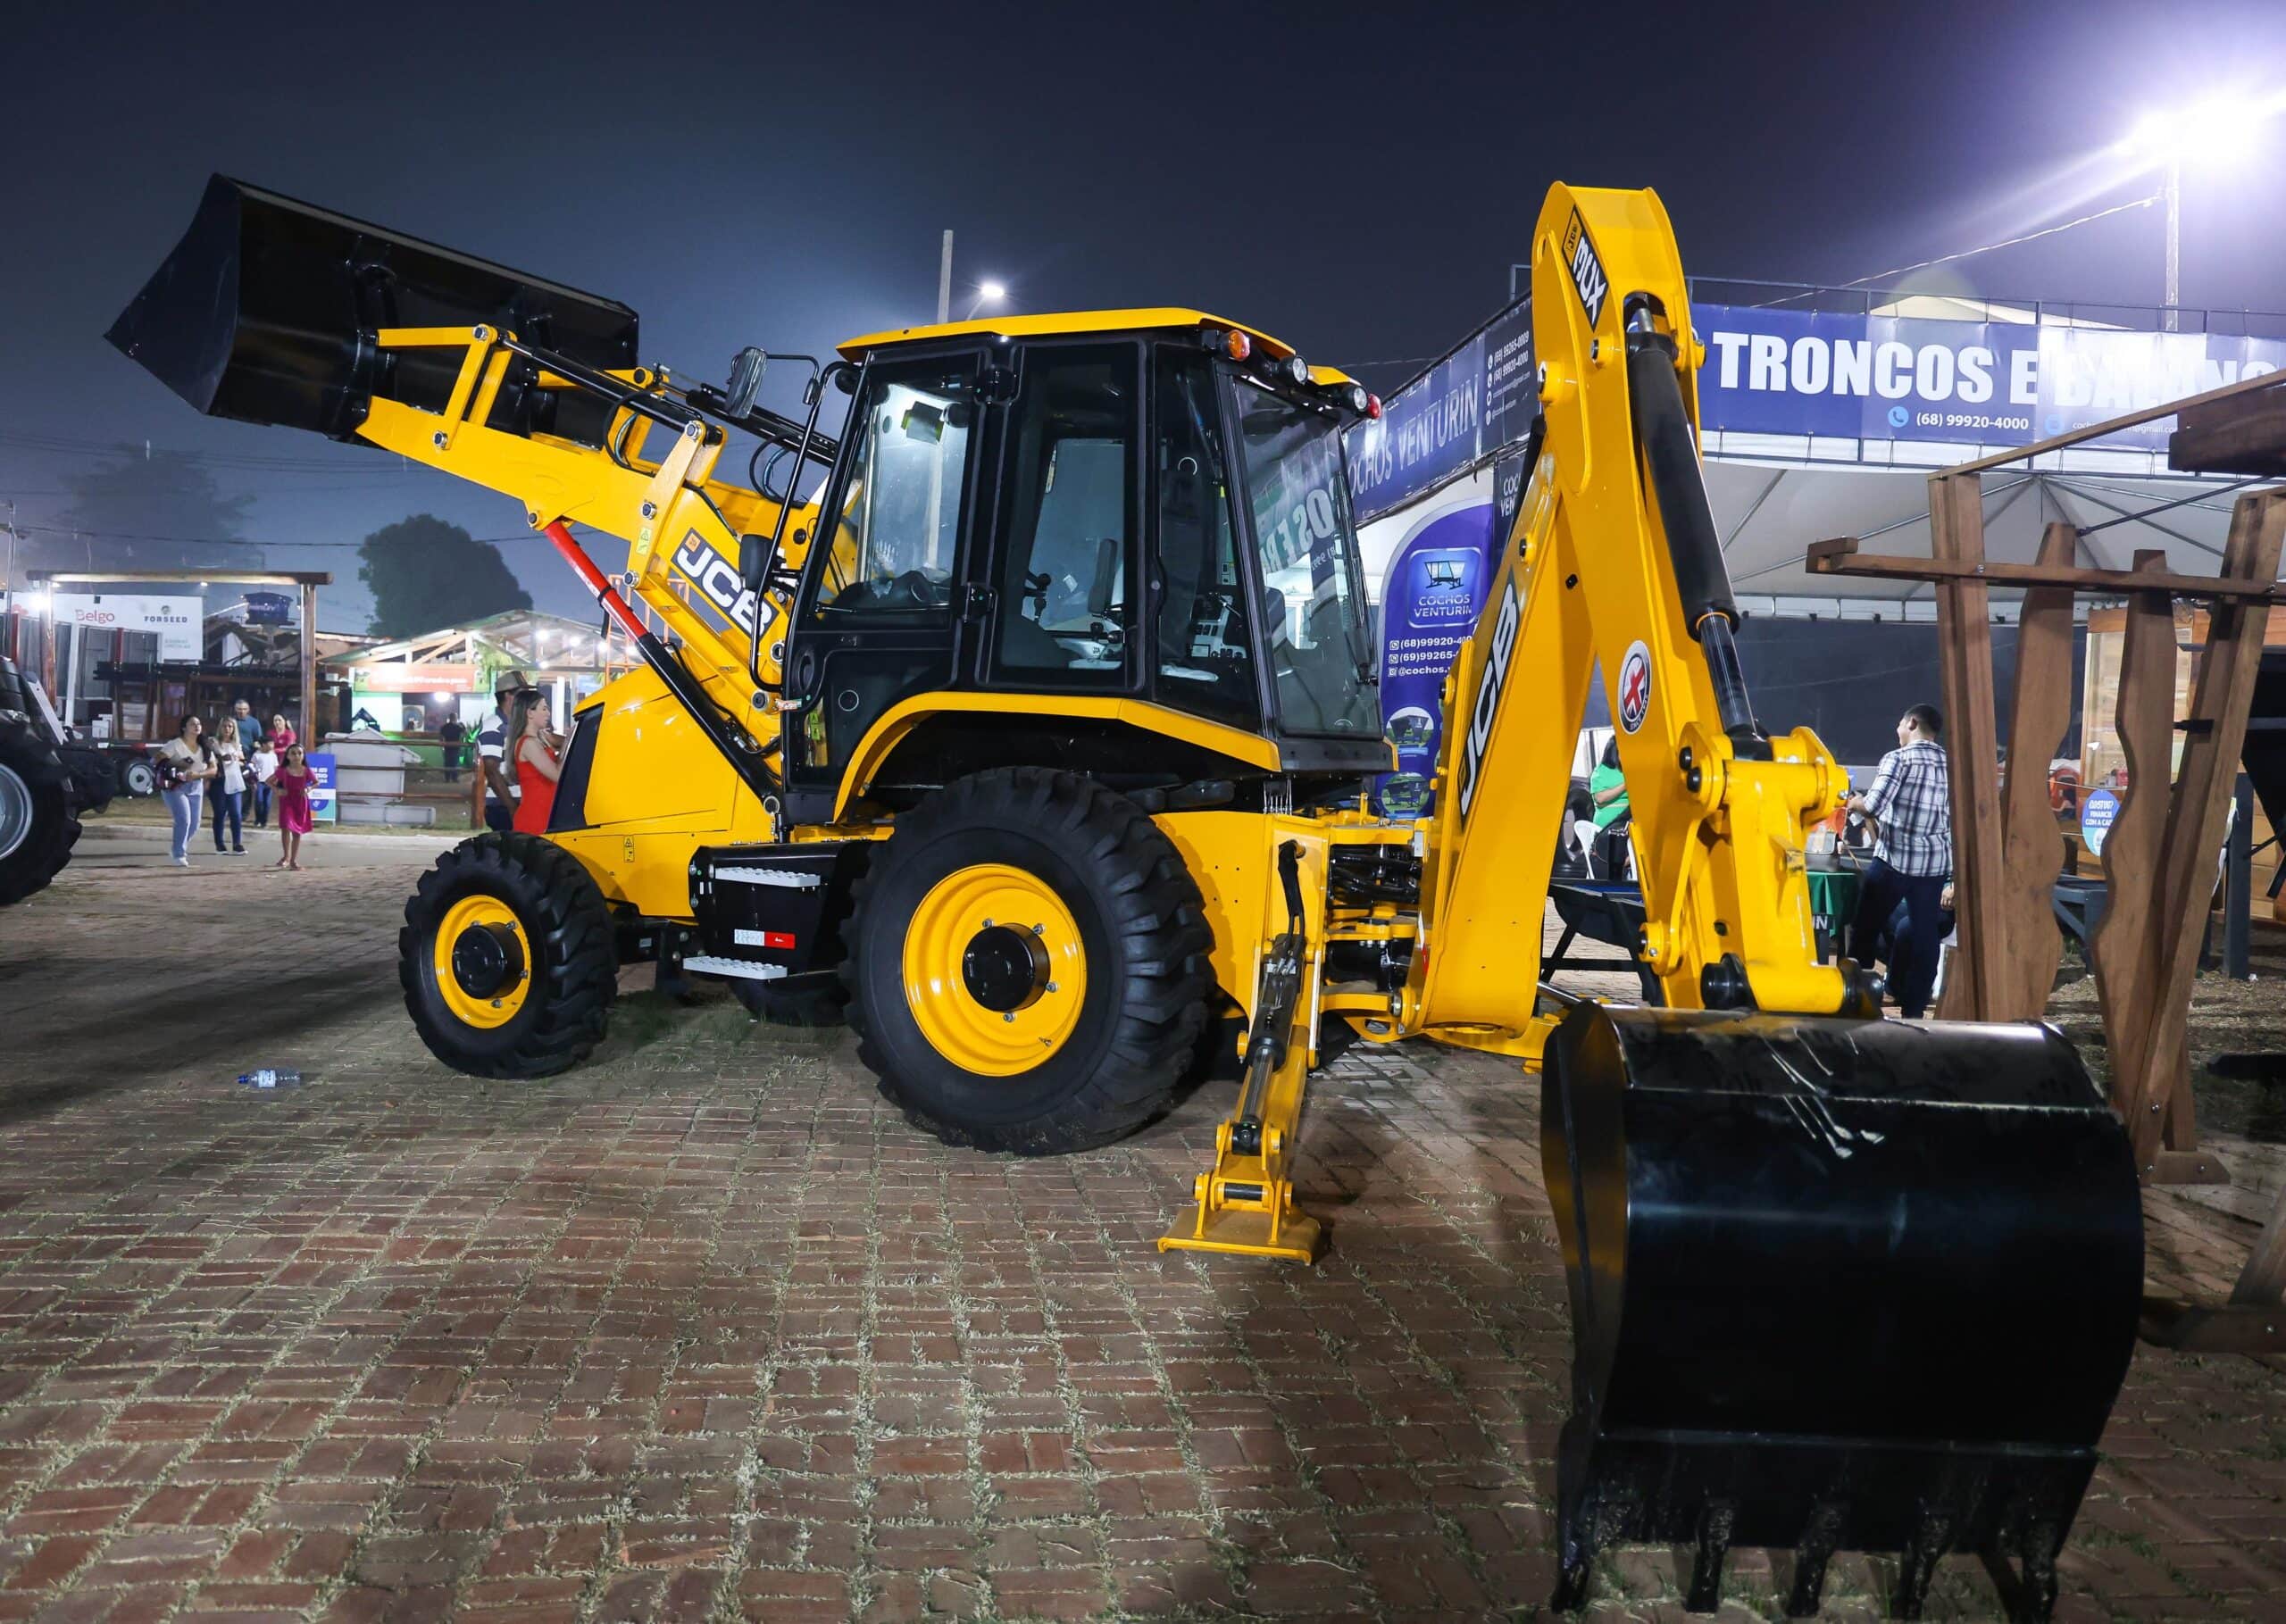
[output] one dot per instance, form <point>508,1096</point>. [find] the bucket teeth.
<point>1957,1204</point>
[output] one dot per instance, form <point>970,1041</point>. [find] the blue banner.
<point>1427,433</point>
<point>1429,598</point>
<point>1991,383</point>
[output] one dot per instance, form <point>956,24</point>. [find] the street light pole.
<point>945,282</point>
<point>2174,241</point>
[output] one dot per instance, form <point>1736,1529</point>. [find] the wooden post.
<point>309,730</point>
<point>2120,951</point>
<point>2028,946</point>
<point>1973,986</point>
<point>2185,869</point>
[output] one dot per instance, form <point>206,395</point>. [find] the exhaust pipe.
<point>268,310</point>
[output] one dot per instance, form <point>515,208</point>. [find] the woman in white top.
<point>228,792</point>
<point>183,772</point>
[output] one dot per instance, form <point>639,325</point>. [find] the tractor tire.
<point>139,778</point>
<point>1027,964</point>
<point>507,958</point>
<point>808,1006</point>
<point>40,818</point>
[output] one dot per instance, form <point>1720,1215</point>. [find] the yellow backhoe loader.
<point>1030,714</point>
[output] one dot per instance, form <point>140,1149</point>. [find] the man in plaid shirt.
<point>1909,804</point>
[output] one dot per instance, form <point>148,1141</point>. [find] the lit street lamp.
<point>2216,133</point>
<point>986,292</point>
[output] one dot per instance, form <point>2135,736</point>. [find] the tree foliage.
<point>157,510</point>
<point>425,574</point>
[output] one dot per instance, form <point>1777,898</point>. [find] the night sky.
<point>1354,179</point>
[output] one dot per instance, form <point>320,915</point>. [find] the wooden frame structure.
<point>2160,853</point>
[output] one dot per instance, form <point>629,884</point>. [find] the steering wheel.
<point>918,589</point>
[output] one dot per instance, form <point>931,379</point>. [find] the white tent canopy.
<point>1768,513</point>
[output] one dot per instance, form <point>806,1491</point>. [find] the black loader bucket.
<point>266,312</point>
<point>1835,1285</point>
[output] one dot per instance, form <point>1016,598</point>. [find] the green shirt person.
<point>1607,788</point>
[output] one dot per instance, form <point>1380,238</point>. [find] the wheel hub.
<point>486,958</point>
<point>1004,968</point>
<point>15,811</point>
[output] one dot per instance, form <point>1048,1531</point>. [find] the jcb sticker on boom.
<point>1489,687</point>
<point>1587,279</point>
<point>719,579</point>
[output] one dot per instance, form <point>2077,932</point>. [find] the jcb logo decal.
<point>1587,279</point>
<point>713,575</point>
<point>1488,689</point>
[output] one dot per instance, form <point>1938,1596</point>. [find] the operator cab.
<point>1123,539</point>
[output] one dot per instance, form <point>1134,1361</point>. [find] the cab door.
<point>879,619</point>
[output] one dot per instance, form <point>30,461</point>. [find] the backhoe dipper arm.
<point>1614,558</point>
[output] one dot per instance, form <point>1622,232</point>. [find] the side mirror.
<point>1100,590</point>
<point>754,562</point>
<point>746,368</point>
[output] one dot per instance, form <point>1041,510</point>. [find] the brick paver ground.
<point>705,1331</point>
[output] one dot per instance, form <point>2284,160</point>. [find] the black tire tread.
<point>1160,918</point>
<point>569,927</point>
<point>56,817</point>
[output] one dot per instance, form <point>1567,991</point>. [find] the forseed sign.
<point>176,621</point>
<point>1888,377</point>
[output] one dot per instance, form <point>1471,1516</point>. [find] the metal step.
<point>793,880</point>
<point>701,964</point>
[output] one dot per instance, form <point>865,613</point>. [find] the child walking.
<point>292,782</point>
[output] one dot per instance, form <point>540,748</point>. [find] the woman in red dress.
<point>534,751</point>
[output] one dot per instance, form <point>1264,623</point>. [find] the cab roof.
<point>1065,322</point>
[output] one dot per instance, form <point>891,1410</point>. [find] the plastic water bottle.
<point>272,1076</point>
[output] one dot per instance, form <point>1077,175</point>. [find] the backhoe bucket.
<point>1835,1285</point>
<point>267,312</point>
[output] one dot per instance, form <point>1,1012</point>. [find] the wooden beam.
<point>2242,436</point>
<point>1839,556</point>
<point>2120,952</point>
<point>1973,987</point>
<point>2202,799</point>
<point>2096,431</point>
<point>2029,945</point>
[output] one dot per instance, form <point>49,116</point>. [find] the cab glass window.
<point>1205,661</point>
<point>895,539</point>
<point>1321,645</point>
<point>1063,593</point>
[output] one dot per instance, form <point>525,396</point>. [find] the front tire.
<point>1028,967</point>
<point>40,823</point>
<point>507,958</point>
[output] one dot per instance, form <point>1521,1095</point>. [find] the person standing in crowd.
<point>228,792</point>
<point>281,735</point>
<point>1909,804</point>
<point>262,764</point>
<point>535,751</point>
<point>451,734</point>
<point>497,777</point>
<point>249,727</point>
<point>183,772</point>
<point>293,782</point>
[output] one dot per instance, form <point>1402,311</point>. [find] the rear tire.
<point>39,822</point>
<point>139,778</point>
<point>1100,961</point>
<point>805,1007</point>
<point>536,996</point>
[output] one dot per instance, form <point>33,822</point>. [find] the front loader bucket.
<point>1835,1286</point>
<point>267,310</point>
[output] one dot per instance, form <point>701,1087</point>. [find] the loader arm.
<point>1614,560</point>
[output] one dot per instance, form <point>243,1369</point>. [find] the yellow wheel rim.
<point>994,972</point>
<point>469,990</point>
